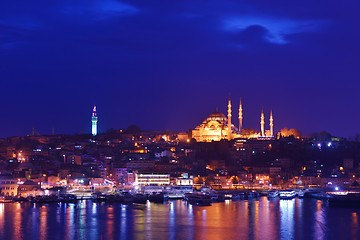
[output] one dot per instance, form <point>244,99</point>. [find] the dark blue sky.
<point>168,64</point>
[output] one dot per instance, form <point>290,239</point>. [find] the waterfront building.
<point>147,179</point>
<point>185,180</point>
<point>29,188</point>
<point>94,120</point>
<point>8,185</point>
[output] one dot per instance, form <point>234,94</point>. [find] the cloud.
<point>99,9</point>
<point>21,24</point>
<point>14,32</point>
<point>275,30</point>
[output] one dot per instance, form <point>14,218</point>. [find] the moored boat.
<point>139,198</point>
<point>178,192</point>
<point>344,199</point>
<point>158,197</point>
<point>200,199</point>
<point>316,194</point>
<point>287,194</point>
<point>4,199</point>
<point>252,194</point>
<point>273,194</point>
<point>217,197</point>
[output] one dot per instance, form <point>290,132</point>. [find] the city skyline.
<point>166,66</point>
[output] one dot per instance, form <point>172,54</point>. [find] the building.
<point>94,120</point>
<point>184,180</point>
<point>151,179</point>
<point>29,188</point>
<point>8,185</point>
<point>217,127</point>
<point>214,128</point>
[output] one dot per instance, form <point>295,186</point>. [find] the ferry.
<point>158,197</point>
<point>344,199</point>
<point>178,192</point>
<point>287,194</point>
<point>199,199</point>
<point>272,194</point>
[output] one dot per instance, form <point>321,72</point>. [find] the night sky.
<point>166,65</point>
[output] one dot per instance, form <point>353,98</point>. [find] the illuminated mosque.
<point>217,127</point>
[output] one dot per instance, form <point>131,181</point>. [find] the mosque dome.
<point>217,116</point>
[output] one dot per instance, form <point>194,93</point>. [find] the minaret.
<point>94,120</point>
<point>229,121</point>
<point>262,124</point>
<point>240,117</point>
<point>271,124</point>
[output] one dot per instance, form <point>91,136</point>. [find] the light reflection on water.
<point>287,219</point>
<point>258,219</point>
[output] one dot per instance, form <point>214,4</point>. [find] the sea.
<point>243,219</point>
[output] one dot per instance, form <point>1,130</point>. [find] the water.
<point>258,219</point>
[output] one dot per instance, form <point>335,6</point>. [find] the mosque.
<point>217,127</point>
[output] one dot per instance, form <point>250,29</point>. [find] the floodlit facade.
<point>217,127</point>
<point>94,120</point>
<point>153,179</point>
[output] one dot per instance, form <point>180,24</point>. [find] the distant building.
<point>217,127</point>
<point>140,165</point>
<point>148,179</point>
<point>75,159</point>
<point>184,180</point>
<point>94,120</point>
<point>29,188</point>
<point>8,185</point>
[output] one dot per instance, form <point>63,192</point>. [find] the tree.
<point>286,132</point>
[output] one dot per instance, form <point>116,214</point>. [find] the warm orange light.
<point>341,168</point>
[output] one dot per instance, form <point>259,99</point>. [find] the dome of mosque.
<point>217,115</point>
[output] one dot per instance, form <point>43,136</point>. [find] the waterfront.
<point>255,219</point>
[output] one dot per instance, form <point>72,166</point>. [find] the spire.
<point>262,123</point>
<point>271,124</point>
<point>240,116</point>
<point>229,120</point>
<point>94,111</point>
<point>94,120</point>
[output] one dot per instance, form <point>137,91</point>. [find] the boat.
<point>344,199</point>
<point>301,193</point>
<point>251,194</point>
<point>199,199</point>
<point>114,198</point>
<point>178,192</point>
<point>46,199</point>
<point>68,198</point>
<point>98,197</point>
<point>217,197</point>
<point>158,197</point>
<point>139,198</point>
<point>4,199</point>
<point>273,194</point>
<point>287,194</point>
<point>316,194</point>
<point>20,199</point>
<point>126,198</point>
<point>238,196</point>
